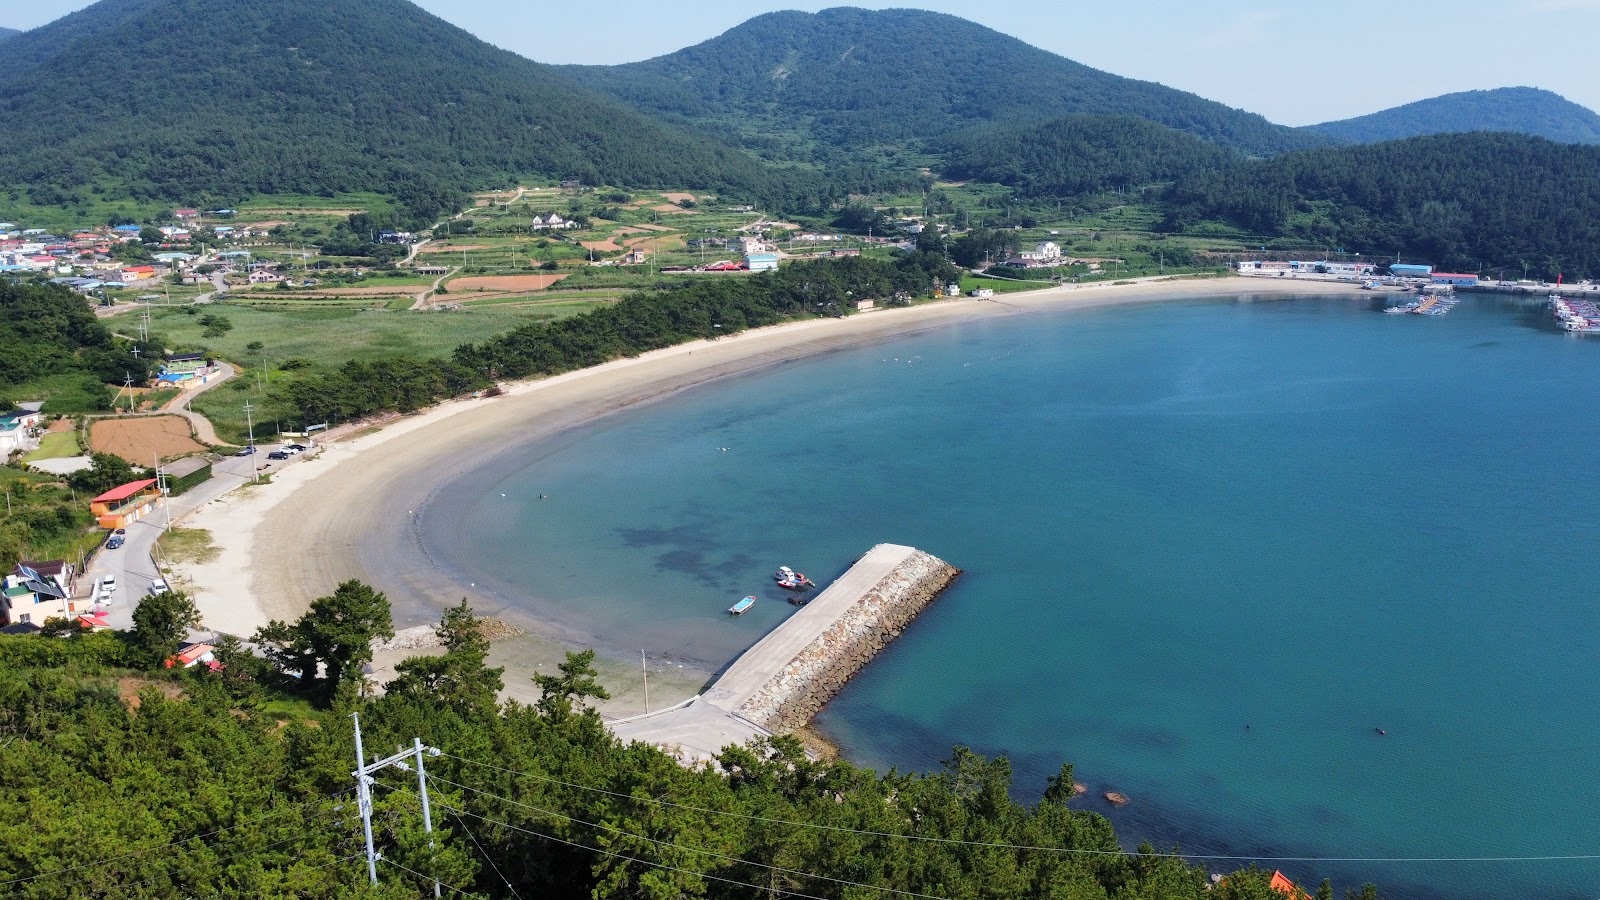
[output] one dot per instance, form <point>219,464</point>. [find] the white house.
<point>552,221</point>
<point>1044,251</point>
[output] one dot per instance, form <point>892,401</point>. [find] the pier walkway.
<point>784,662</point>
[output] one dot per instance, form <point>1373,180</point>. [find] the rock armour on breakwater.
<point>814,676</point>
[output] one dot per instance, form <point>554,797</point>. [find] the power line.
<point>624,856</point>
<point>486,857</point>
<point>452,887</point>
<point>711,853</point>
<point>111,859</point>
<point>231,856</point>
<point>1003,846</point>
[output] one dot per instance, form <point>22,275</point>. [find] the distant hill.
<point>228,98</point>
<point>1082,155</point>
<point>7,34</point>
<point>1521,110</point>
<point>1469,202</point>
<point>857,78</point>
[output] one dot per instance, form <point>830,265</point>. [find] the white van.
<point>158,586</point>
<point>108,584</point>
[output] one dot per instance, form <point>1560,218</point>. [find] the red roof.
<point>124,492</point>
<point>93,621</point>
<point>1283,885</point>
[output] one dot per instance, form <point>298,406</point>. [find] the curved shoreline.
<point>351,512</point>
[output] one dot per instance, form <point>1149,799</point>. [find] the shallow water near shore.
<point>1210,549</point>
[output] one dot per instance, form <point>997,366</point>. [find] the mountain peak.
<point>860,78</point>
<point>1521,110</point>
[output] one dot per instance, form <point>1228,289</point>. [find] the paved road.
<point>131,563</point>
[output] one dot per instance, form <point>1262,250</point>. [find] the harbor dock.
<point>788,676</point>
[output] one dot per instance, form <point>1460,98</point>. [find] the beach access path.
<point>348,513</point>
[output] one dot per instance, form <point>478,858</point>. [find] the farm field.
<point>139,440</point>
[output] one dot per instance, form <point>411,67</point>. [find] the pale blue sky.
<point>1293,63</point>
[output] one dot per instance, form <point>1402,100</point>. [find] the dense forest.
<point>218,100</point>
<point>859,78</point>
<point>1082,155</point>
<point>7,34</point>
<point>237,783</point>
<point>696,310</point>
<point>52,348</point>
<point>1520,110</point>
<point>1466,201</point>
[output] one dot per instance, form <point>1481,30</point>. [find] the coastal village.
<point>416,424</point>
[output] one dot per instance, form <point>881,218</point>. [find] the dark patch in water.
<point>1156,738</point>
<point>682,536</point>
<point>1484,345</point>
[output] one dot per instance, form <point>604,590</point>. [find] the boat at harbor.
<point>1576,316</point>
<point>742,607</point>
<point>792,580</point>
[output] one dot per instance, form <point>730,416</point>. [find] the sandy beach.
<point>349,511</point>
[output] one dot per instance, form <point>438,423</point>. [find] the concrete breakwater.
<point>797,692</point>
<point>788,676</point>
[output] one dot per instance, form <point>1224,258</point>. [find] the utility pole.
<point>250,424</point>
<point>364,782</point>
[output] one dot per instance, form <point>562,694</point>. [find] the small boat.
<point>743,606</point>
<point>792,580</point>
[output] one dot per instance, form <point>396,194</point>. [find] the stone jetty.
<point>788,676</point>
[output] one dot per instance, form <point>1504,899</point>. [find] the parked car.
<point>297,448</point>
<point>290,449</point>
<point>114,543</point>
<point>103,598</point>
<point>108,583</point>
<point>121,531</point>
<point>246,451</point>
<point>277,454</point>
<point>158,586</point>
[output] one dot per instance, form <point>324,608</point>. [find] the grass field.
<point>330,337</point>
<point>55,445</point>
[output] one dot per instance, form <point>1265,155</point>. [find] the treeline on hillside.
<point>699,309</point>
<point>216,783</point>
<point>224,100</point>
<point>1083,155</point>
<point>52,347</point>
<point>1462,201</point>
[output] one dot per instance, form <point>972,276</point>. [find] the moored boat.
<point>743,606</point>
<point>789,578</point>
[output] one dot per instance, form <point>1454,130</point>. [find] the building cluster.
<point>21,428</point>
<point>87,260</point>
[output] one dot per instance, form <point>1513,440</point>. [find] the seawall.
<point>779,684</point>
<point>793,695</point>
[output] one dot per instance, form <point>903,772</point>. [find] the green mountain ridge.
<point>7,34</point>
<point>245,97</point>
<point>860,78</point>
<point>1520,110</point>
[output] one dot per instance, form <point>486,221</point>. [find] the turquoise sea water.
<point>1210,548</point>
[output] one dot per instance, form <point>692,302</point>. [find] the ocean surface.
<point>1211,548</point>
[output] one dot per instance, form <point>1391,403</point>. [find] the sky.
<point>1295,63</point>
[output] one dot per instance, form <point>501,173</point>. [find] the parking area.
<point>130,565</point>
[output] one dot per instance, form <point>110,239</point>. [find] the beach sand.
<point>349,511</point>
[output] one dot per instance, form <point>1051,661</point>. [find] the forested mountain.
<point>7,34</point>
<point>219,99</point>
<point>856,77</point>
<point>1463,201</point>
<point>1083,155</point>
<point>1522,110</point>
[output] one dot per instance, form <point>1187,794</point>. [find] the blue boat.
<point>738,609</point>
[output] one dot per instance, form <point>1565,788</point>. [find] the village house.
<point>36,592</point>
<point>138,273</point>
<point>122,506</point>
<point>20,429</point>
<point>264,276</point>
<point>635,257</point>
<point>551,222</point>
<point>186,214</point>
